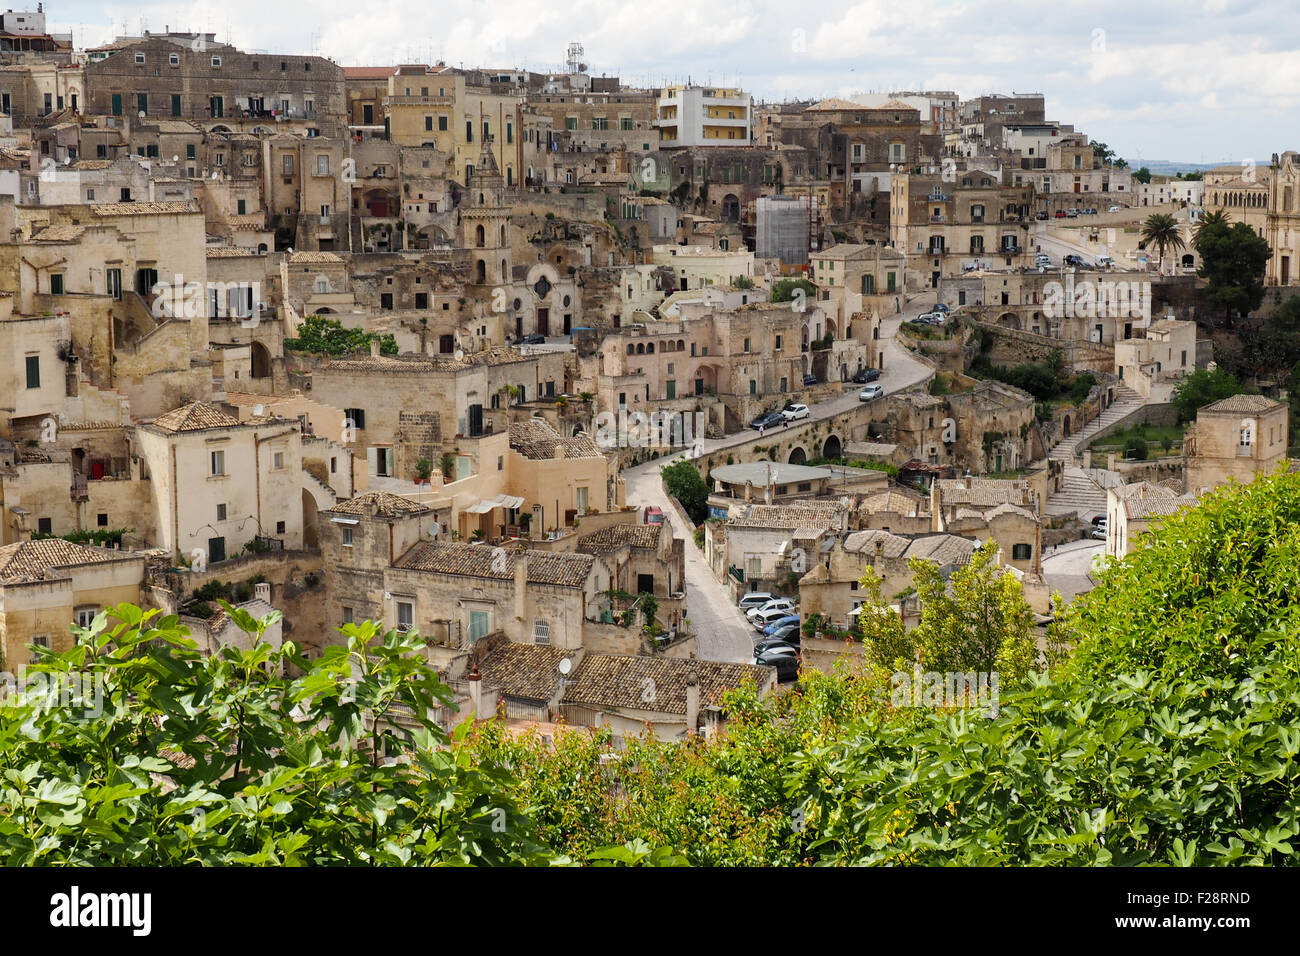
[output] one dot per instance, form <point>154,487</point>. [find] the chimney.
<point>692,700</point>
<point>521,584</point>
<point>880,547</point>
<point>475,690</point>
<point>262,591</point>
<point>535,529</point>
<point>374,347</point>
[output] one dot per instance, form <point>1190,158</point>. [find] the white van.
<point>755,599</point>
<point>1105,262</point>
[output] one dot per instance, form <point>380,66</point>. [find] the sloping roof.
<point>142,208</point>
<point>368,72</point>
<point>798,514</point>
<point>982,492</point>
<point>194,417</point>
<point>32,560</point>
<point>537,440</point>
<point>1242,404</point>
<point>528,671</point>
<point>64,233</point>
<point>893,501</point>
<point>942,549</point>
<point>835,103</point>
<point>620,535</point>
<point>1141,508</point>
<point>864,542</point>
<point>381,504</point>
<point>616,680</point>
<point>479,561</point>
<point>299,257</point>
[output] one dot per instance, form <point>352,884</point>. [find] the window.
<point>778,342</point>
<point>347,615</point>
<point>242,206</point>
<point>139,58</point>
<point>216,61</point>
<point>428,123</point>
<point>142,102</point>
<point>347,537</point>
<point>541,632</point>
<point>746,345</point>
<point>478,625</point>
<point>216,550</point>
<point>405,615</point>
<point>85,615</point>
<point>442,124</point>
<point>218,464</point>
<point>44,525</point>
<point>279,527</point>
<point>322,165</point>
<point>286,164</point>
<point>101,519</point>
<point>56,283</point>
<point>221,512</point>
<point>173,59</point>
<point>278,460</point>
<point>1021,552</point>
<point>357,416</point>
<point>43,641</point>
<point>33,371</point>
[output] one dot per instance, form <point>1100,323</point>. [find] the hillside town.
<point>614,395</point>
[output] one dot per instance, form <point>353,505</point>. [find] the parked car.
<point>1072,214</point>
<point>776,604</point>
<point>870,393</point>
<point>785,660</point>
<point>1075,260</point>
<point>767,420</point>
<point>764,618</point>
<point>1060,214</point>
<point>654,515</point>
<point>776,644</point>
<point>755,599</point>
<point>786,634</point>
<point>1098,520</point>
<point>864,375</point>
<point>781,622</point>
<point>533,339</point>
<point>1099,532</point>
<point>810,379</point>
<point>1042,215</point>
<point>1105,262</point>
<point>1115,209</point>
<point>794,411</point>
<point>941,307</point>
<point>932,318</point>
<point>1089,212</point>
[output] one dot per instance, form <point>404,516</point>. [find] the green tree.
<point>1162,231</point>
<point>1105,156</point>
<point>1203,387</point>
<point>1210,222</point>
<point>318,335</point>
<point>683,482</point>
<point>783,290</point>
<point>976,620</point>
<point>1233,260</point>
<point>1142,175</point>
<point>187,759</point>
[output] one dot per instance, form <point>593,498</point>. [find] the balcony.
<point>419,100</point>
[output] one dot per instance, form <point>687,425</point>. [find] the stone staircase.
<point>1079,493</point>
<point>1126,403</point>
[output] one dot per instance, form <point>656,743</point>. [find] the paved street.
<point>723,634</point>
<point>1066,568</point>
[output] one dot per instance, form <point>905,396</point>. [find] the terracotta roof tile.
<point>32,560</point>
<point>537,440</point>
<point>479,561</point>
<point>615,680</point>
<point>195,417</point>
<point>142,208</point>
<point>381,504</point>
<point>619,536</point>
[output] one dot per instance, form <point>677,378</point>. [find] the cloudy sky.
<point>1188,80</point>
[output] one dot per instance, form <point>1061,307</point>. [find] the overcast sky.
<point>1188,80</point>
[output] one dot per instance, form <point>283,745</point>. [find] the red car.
<point>1060,214</point>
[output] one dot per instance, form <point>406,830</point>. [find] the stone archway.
<point>1009,320</point>
<point>797,456</point>
<point>832,447</point>
<point>261,360</point>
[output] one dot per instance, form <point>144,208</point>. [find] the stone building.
<point>1002,509</point>
<point>47,585</point>
<point>1134,508</point>
<point>171,75</point>
<point>991,427</point>
<point>1235,438</point>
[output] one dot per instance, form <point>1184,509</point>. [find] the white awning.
<point>500,501</point>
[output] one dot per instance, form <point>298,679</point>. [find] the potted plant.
<point>423,470</point>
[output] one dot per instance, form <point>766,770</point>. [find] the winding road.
<point>722,633</point>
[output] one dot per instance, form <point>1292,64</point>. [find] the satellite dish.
<point>258,410</point>
<point>388,595</point>
<point>175,158</point>
<point>460,355</point>
<point>141,114</point>
<point>566,666</point>
<point>433,529</point>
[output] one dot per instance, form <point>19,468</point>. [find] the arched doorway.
<point>797,456</point>
<point>261,360</point>
<point>832,448</point>
<point>1065,426</point>
<point>731,208</point>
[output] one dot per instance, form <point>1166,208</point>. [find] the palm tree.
<point>1162,231</point>
<point>1210,220</point>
